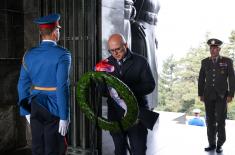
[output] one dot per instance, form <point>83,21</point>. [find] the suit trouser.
<point>137,136</point>
<point>45,137</point>
<point>216,113</point>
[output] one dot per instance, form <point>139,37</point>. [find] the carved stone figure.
<point>140,30</point>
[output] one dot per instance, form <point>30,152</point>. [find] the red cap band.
<point>49,26</point>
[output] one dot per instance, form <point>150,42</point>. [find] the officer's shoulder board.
<point>206,59</point>
<point>225,58</point>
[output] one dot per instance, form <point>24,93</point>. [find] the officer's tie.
<point>214,60</point>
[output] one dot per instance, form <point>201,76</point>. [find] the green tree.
<point>178,90</point>
<point>229,49</point>
<point>166,81</point>
<point>188,75</point>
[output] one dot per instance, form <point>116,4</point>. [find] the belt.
<point>44,88</point>
<point>148,17</point>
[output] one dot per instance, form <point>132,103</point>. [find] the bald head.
<point>117,38</point>
<point>117,46</point>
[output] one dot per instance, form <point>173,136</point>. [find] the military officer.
<point>216,88</point>
<point>43,89</point>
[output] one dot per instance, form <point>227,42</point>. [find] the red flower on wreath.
<point>104,66</point>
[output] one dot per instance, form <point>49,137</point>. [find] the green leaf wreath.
<point>124,92</point>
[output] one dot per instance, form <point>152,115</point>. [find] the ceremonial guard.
<point>43,89</point>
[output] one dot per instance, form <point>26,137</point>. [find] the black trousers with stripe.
<point>46,140</point>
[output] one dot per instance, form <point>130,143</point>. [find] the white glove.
<point>28,118</point>
<point>63,127</point>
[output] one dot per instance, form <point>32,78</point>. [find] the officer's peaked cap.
<point>50,21</point>
<point>214,42</point>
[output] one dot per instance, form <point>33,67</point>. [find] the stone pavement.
<point>170,137</point>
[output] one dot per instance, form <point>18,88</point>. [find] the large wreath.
<point>124,92</point>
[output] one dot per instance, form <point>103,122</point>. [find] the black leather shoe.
<point>210,148</point>
<point>219,149</point>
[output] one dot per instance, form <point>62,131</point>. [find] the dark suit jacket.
<point>216,77</point>
<point>136,74</point>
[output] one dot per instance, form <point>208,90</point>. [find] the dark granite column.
<point>12,127</point>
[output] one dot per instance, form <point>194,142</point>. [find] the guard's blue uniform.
<point>43,89</point>
<point>46,66</point>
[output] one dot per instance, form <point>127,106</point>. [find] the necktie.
<point>214,60</point>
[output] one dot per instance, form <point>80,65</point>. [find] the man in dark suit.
<point>216,88</point>
<point>134,71</point>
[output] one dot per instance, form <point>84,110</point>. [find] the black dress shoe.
<point>210,148</point>
<point>219,149</point>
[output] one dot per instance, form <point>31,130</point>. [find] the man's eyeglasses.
<point>115,50</point>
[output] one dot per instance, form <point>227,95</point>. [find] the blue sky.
<point>183,24</point>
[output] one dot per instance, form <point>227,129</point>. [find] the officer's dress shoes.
<point>219,149</point>
<point>210,148</point>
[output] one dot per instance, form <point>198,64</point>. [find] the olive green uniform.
<point>216,82</point>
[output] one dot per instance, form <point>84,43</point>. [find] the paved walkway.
<point>170,138</point>
<point>180,139</point>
